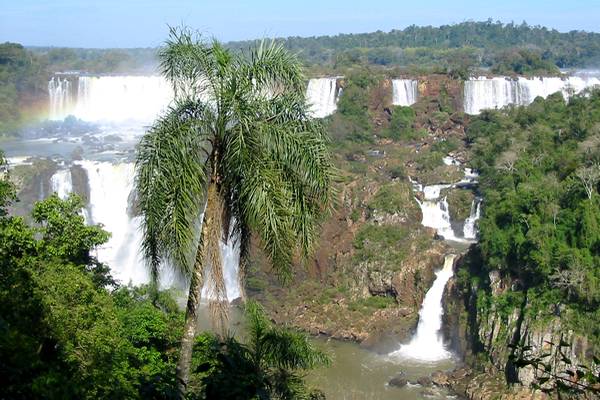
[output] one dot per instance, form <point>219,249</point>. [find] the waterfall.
<point>61,183</point>
<point>436,212</point>
<point>110,98</point>
<point>470,230</point>
<point>110,185</point>
<point>490,93</point>
<point>427,343</point>
<point>59,93</point>
<point>321,94</point>
<point>404,92</point>
<point>121,98</point>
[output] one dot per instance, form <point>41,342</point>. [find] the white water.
<point>114,99</point>
<point>404,92</point>
<point>61,97</point>
<point>470,229</point>
<point>427,344</point>
<point>436,211</point>
<point>110,185</point>
<point>61,183</point>
<point>322,95</point>
<point>491,93</point>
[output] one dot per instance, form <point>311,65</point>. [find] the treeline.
<point>69,331</point>
<point>98,61</point>
<point>540,176</point>
<point>483,43</point>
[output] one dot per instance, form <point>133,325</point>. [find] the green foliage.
<point>268,365</point>
<point>543,229</point>
<point>23,76</point>
<point>368,304</point>
<point>352,120</point>
<point>393,198</point>
<point>401,124</point>
<point>523,62</point>
<point>452,48</point>
<point>381,244</point>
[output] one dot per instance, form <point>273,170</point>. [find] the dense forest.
<point>478,43</point>
<point>540,175</point>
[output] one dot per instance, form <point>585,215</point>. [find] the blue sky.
<point>139,23</point>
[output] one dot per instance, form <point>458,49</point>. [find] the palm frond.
<point>170,185</point>
<point>187,62</point>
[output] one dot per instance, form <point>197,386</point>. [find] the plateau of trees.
<point>479,42</point>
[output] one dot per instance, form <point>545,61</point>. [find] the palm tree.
<point>270,364</point>
<point>237,153</point>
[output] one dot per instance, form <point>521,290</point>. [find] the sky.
<point>144,23</point>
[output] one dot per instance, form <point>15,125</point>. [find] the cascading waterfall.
<point>435,209</point>
<point>435,212</point>
<point>61,101</point>
<point>404,92</point>
<point>322,95</point>
<point>427,344</point>
<point>490,93</point>
<point>61,183</point>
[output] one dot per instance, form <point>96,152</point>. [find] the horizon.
<point>85,26</point>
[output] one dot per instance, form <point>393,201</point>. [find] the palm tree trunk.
<point>191,317</point>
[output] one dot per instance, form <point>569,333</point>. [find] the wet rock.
<point>398,381</point>
<point>440,378</point>
<point>424,381</point>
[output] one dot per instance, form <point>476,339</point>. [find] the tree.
<point>236,153</point>
<point>589,177</point>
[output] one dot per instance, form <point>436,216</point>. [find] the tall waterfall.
<point>404,92</point>
<point>491,93</point>
<point>61,183</point>
<point>61,97</point>
<point>110,185</point>
<point>322,96</point>
<point>427,344</point>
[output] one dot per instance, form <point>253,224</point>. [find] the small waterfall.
<point>61,183</point>
<point>491,93</point>
<point>404,92</point>
<point>60,95</point>
<point>427,343</point>
<point>436,213</point>
<point>321,94</point>
<point>470,230</point>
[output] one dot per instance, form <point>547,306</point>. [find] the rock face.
<point>473,329</point>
